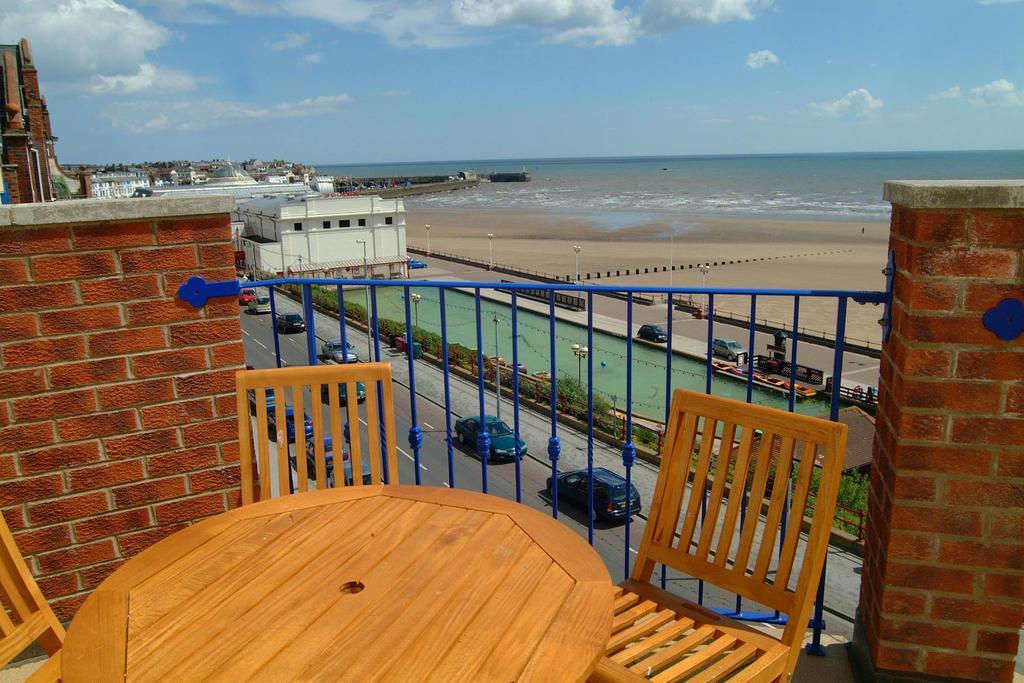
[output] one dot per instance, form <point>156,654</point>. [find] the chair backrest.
<point>26,616</point>
<point>265,399</point>
<point>774,461</point>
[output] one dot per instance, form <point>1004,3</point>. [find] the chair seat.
<point>658,636</point>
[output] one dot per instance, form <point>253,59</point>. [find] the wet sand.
<point>797,254</point>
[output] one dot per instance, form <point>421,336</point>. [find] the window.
<point>344,223</point>
<point>362,222</point>
<point>388,220</point>
<point>298,227</point>
<point>327,224</point>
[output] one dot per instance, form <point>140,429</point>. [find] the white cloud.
<point>394,93</point>
<point>997,2</point>
<point>761,59</point>
<point>757,118</point>
<point>995,93</point>
<point>148,78</point>
<point>449,23</point>
<point>74,40</point>
<point>145,116</point>
<point>291,41</point>
<point>859,102</point>
<point>948,94</point>
<point>311,58</point>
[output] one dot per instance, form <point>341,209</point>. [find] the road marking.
<point>260,343</point>
<point>428,425</point>
<point>397,447</point>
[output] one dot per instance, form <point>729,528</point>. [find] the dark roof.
<point>862,436</point>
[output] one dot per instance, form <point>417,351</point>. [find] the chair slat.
<point>763,463</point>
<point>779,497</point>
<point>299,406</point>
<point>796,517</point>
<point>337,436</point>
<point>648,645</point>
<point>246,455</point>
<point>644,628</point>
<point>680,669</point>
<point>373,434</point>
<point>281,425</point>
<point>627,617</point>
<point>263,455</point>
<point>698,487</point>
<point>736,497</point>
<point>721,473</point>
<point>676,649</point>
<point>389,432</point>
<point>355,435</point>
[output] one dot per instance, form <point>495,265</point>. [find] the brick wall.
<point>943,585</point>
<point>117,408</point>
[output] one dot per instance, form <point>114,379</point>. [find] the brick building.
<point>28,142</point>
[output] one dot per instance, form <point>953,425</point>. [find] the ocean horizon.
<point>843,186</point>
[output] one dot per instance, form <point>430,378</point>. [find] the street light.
<point>366,291</point>
<point>490,251</point>
<point>416,305</point>
<point>577,248</point>
<point>497,372</point>
<point>705,268</point>
<point>581,353</point>
<point>427,226</point>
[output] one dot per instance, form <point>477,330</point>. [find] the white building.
<point>325,236</point>
<point>117,185</point>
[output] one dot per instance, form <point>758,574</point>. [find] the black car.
<point>652,333</point>
<point>290,322</point>
<point>609,492</point>
<point>503,441</point>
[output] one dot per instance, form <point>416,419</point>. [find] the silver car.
<point>260,304</point>
<point>338,351</point>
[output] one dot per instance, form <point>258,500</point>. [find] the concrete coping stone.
<point>955,194</point>
<point>112,210</point>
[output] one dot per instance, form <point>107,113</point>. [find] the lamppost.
<point>581,353</point>
<point>427,226</point>
<point>705,268</point>
<point>497,372</point>
<point>490,251</point>
<point>577,248</point>
<point>366,291</point>
<point>416,306</point>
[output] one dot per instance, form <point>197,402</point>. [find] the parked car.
<point>338,352</point>
<point>416,263</point>
<point>503,441</point>
<point>609,492</point>
<point>246,295</point>
<point>329,463</point>
<point>325,394</point>
<point>652,333</point>
<point>290,322</point>
<point>728,348</point>
<point>252,399</point>
<point>289,420</point>
<point>259,304</point>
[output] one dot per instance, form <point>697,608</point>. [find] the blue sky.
<point>351,81</point>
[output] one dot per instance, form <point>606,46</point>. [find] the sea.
<point>623,191</point>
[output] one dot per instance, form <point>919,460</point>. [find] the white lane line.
<point>397,447</point>
<point>428,425</point>
<point>260,343</point>
<point>446,484</point>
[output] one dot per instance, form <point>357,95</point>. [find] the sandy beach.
<point>808,254</point>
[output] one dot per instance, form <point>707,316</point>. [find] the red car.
<point>245,296</point>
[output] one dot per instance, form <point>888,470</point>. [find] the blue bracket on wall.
<point>197,291</point>
<point>1005,319</point>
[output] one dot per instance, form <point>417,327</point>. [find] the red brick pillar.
<point>117,406</point>
<point>942,593</point>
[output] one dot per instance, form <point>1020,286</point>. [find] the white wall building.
<point>325,236</point>
<point>117,185</point>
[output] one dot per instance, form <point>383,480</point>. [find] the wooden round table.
<point>360,583</point>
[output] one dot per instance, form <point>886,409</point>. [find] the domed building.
<point>230,173</point>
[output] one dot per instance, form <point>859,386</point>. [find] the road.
<point>465,470</point>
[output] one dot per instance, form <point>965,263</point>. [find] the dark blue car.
<point>289,418</point>
<point>609,493</point>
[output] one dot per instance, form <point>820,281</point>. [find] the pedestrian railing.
<point>455,309</point>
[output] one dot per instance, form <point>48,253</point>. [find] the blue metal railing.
<point>197,292</point>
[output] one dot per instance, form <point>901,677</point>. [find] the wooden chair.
<point>26,616</point>
<point>324,383</point>
<point>659,636</point>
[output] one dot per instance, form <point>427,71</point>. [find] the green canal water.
<point>608,351</point>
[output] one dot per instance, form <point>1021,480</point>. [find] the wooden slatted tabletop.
<point>357,583</point>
